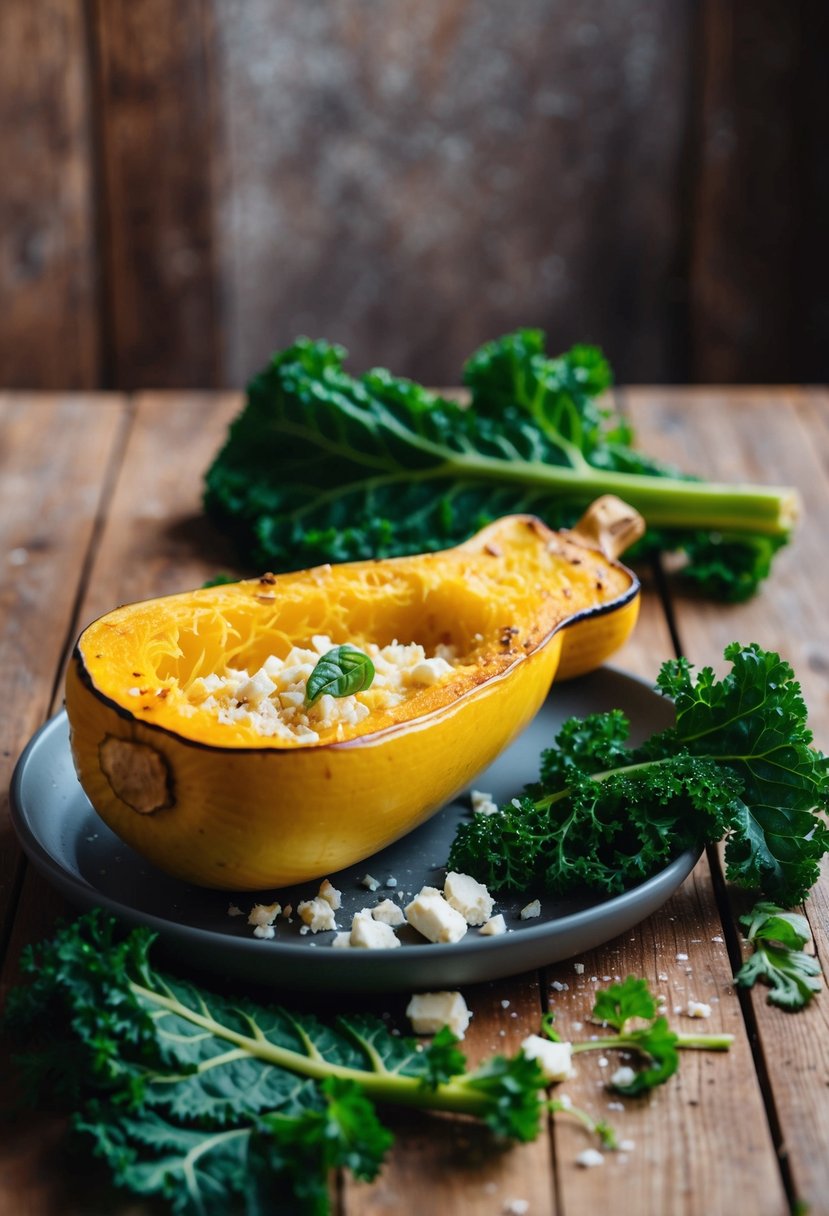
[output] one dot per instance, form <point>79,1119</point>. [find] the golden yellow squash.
<point>207,797</point>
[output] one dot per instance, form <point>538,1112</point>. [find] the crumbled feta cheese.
<point>682,958</point>
<point>370,934</point>
<point>330,894</point>
<point>482,804</point>
<point>432,916</point>
<point>391,882</point>
<point>589,1157</point>
<point>263,914</point>
<point>554,1059</point>
<point>389,913</point>
<point>698,1009</point>
<point>623,1077</point>
<point>531,910</point>
<point>429,671</point>
<point>430,1011</point>
<point>317,914</point>
<point>341,941</point>
<point>468,897</point>
<point>578,968</point>
<point>370,883</point>
<point>494,927</point>
<point>234,910</point>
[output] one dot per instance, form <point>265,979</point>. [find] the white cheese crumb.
<point>603,1061</point>
<point>370,883</point>
<point>589,1157</point>
<point>623,1077</point>
<point>263,914</point>
<point>494,927</point>
<point>134,692</point>
<point>370,934</point>
<point>330,894</point>
<point>558,986</point>
<point>483,804</point>
<point>627,1146</point>
<point>682,958</point>
<point>264,931</point>
<point>516,1207</point>
<point>717,938</point>
<point>389,913</point>
<point>430,1011</point>
<point>698,1009</point>
<point>578,968</point>
<point>554,1059</point>
<point>468,897</point>
<point>531,910</point>
<point>391,882</point>
<point>428,672</point>
<point>317,914</point>
<point>434,918</point>
<point>341,941</point>
<point>234,910</point>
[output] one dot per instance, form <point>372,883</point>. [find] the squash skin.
<point>225,811</point>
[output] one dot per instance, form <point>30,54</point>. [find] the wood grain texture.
<point>48,264</point>
<point>412,180</point>
<point>54,461</point>
<point>758,245</point>
<point>154,110</point>
<point>772,437</point>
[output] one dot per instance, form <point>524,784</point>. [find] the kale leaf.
<point>322,466</point>
<point>779,960</point>
<point>207,1100</point>
<point>738,764</point>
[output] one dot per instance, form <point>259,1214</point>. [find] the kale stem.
<point>622,1042</point>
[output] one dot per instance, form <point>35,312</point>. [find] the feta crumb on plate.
<point>434,918</point>
<point>494,927</point>
<point>389,913</point>
<point>531,910</point>
<point>554,1059</point>
<point>317,915</point>
<point>469,897</point>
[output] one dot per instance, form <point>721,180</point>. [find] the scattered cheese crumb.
<point>682,958</point>
<point>264,931</point>
<point>494,927</point>
<point>698,1009</point>
<point>554,1059</point>
<point>370,934</point>
<point>623,1077</point>
<point>717,938</point>
<point>578,968</point>
<point>262,915</point>
<point>370,883</point>
<point>434,918</point>
<point>234,910</point>
<point>589,1157</point>
<point>389,913</point>
<point>516,1207</point>
<point>469,897</point>
<point>483,804</point>
<point>430,1011</point>
<point>330,894</point>
<point>341,941</point>
<point>391,882</point>
<point>531,910</point>
<point>317,914</point>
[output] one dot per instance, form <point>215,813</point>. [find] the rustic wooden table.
<point>99,504</point>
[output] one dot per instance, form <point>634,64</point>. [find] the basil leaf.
<point>340,672</point>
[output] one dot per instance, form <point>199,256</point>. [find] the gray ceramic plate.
<point>65,839</point>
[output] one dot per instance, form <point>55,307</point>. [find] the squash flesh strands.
<point>218,804</point>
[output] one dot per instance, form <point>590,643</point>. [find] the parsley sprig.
<point>738,763</point>
<point>779,960</point>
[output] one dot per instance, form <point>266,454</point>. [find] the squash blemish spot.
<point>138,774</point>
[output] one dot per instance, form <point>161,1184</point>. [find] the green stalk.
<point>692,1042</point>
<point>453,1095</point>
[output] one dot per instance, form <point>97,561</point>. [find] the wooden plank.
<point>155,114</point>
<point>55,458</point>
<point>48,264</point>
<point>412,180</point>
<point>760,187</point>
<point>770,436</point>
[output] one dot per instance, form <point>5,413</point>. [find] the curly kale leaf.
<point>738,764</point>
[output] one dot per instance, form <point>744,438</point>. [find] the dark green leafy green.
<point>341,671</point>
<point>321,466</point>
<point>210,1101</point>
<point>655,1044</point>
<point>779,960</point>
<point>738,764</point>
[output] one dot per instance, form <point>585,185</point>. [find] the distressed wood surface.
<point>730,1133</point>
<point>188,187</point>
<point>50,336</point>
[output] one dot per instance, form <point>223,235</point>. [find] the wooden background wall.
<point>188,184</point>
